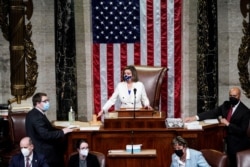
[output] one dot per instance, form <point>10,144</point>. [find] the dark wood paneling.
<point>159,139</point>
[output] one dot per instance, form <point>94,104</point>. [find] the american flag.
<point>136,32</point>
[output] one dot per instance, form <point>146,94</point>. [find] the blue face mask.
<point>46,106</point>
<point>127,77</point>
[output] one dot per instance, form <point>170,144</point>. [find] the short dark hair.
<point>79,142</point>
<point>180,141</point>
<point>134,73</point>
<point>37,98</point>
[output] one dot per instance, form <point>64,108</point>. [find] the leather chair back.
<point>243,158</point>
<point>17,126</point>
<point>16,133</point>
<point>215,158</point>
<point>100,157</point>
<point>152,77</point>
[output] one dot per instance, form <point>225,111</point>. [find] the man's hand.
<point>190,119</point>
<point>67,130</point>
<point>224,121</point>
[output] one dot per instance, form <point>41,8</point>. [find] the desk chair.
<point>243,158</point>
<point>17,132</point>
<point>100,157</point>
<point>152,77</point>
<point>215,158</point>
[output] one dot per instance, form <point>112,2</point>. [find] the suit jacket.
<point>92,161</point>
<point>236,138</point>
<point>46,138</point>
<point>37,161</point>
<point>127,100</point>
<point>196,159</point>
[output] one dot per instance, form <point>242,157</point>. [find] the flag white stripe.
<point>116,69</point>
<point>171,56</point>
<point>103,73</point>
<point>157,33</point>
<point>143,32</point>
<point>116,63</point>
<point>130,54</point>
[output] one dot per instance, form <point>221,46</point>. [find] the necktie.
<point>27,162</point>
<point>229,115</point>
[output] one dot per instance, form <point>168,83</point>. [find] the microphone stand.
<point>132,143</point>
<point>132,132</point>
<point>134,101</point>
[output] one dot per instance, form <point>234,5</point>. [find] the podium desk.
<point>135,119</point>
<point>135,113</point>
<point>124,153</point>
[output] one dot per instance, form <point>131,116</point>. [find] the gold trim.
<point>243,59</point>
<point>21,47</point>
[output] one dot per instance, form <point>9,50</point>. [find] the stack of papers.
<point>77,125</point>
<point>193,125</point>
<point>211,121</point>
<point>90,128</point>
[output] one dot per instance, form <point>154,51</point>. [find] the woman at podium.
<point>130,91</point>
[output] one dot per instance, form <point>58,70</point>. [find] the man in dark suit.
<point>28,157</point>
<point>235,116</point>
<point>46,138</point>
<point>83,158</point>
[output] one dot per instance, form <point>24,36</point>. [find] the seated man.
<point>83,158</point>
<point>28,157</point>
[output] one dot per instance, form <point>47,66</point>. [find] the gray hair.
<point>180,141</point>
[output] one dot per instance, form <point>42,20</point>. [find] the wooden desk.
<point>143,119</point>
<point>123,112</point>
<point>159,139</point>
<point>124,153</point>
<point>144,158</point>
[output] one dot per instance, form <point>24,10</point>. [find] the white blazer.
<point>127,99</point>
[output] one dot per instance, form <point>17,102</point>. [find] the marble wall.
<point>43,37</point>
<point>230,33</point>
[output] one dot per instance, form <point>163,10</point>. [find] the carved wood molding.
<point>244,50</point>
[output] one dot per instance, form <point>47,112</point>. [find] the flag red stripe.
<point>137,51</point>
<point>177,28</point>
<point>164,93</point>
<point>96,78</point>
<point>124,56</point>
<point>110,69</point>
<point>150,33</point>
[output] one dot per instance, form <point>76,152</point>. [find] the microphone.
<point>134,100</point>
<point>135,91</point>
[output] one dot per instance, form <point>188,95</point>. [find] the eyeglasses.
<point>84,148</point>
<point>45,101</point>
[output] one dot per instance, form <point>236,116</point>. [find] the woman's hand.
<point>148,107</point>
<point>100,113</point>
<point>190,119</point>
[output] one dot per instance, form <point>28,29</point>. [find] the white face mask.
<point>84,152</point>
<point>25,152</point>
